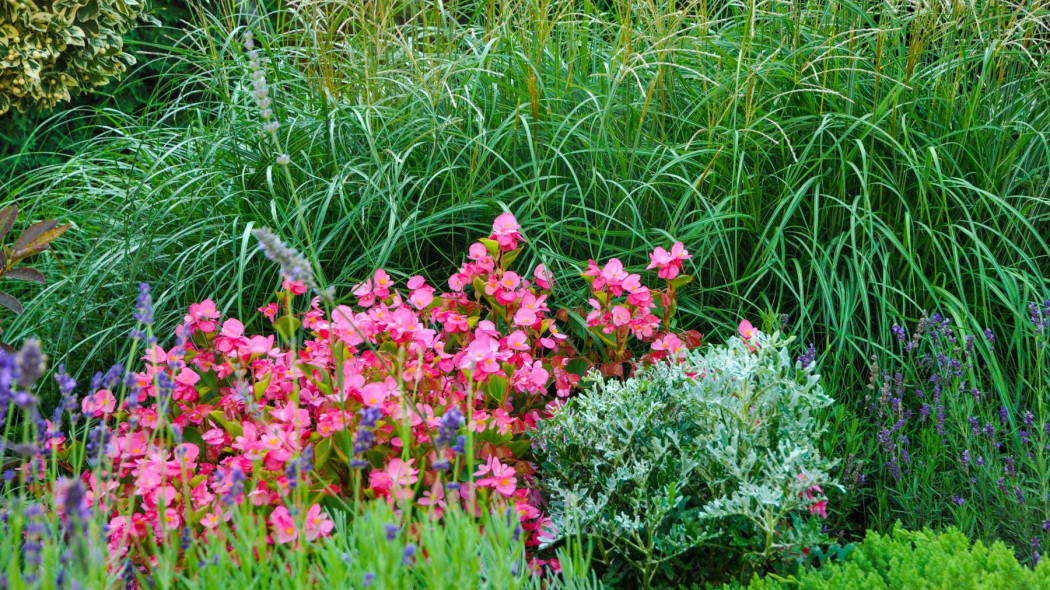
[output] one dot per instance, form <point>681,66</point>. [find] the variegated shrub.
<point>52,49</point>
<point>693,470</point>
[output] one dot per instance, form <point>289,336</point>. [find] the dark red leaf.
<point>7,220</point>
<point>10,303</point>
<point>31,275</point>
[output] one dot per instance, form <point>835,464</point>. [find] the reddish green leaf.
<point>7,220</point>
<point>39,243</point>
<point>31,275</point>
<point>10,303</point>
<point>33,232</point>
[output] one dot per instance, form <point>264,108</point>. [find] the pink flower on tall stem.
<point>505,232</point>
<point>283,525</point>
<point>501,477</point>
<point>669,263</point>
<point>317,523</point>
<point>100,403</point>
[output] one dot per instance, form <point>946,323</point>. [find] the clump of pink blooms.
<point>416,395</point>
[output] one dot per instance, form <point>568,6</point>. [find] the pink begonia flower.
<point>555,337</point>
<point>317,523</point>
<point>501,477</point>
<point>421,297</point>
<point>539,376</point>
<point>187,377</point>
<point>269,310</point>
<point>456,322</point>
<point>505,232</point>
<point>640,297</point>
<point>100,403</point>
<point>457,281</point>
<point>621,316</point>
<point>820,508</point>
<point>517,340</point>
<point>375,393</point>
<point>671,344</point>
<point>283,525</point>
<point>669,263</point>
<point>295,287</point>
<point>232,328</point>
<point>525,317</point>
<point>477,251</point>
<point>510,280</point>
<point>481,356</point>
<point>186,456</point>
<point>171,520</point>
<point>201,315</point>
<point>381,284</point>
<point>363,291</point>
<point>214,437</point>
<point>260,345</point>
<point>435,496</point>
<point>416,282</point>
<point>210,520</point>
<point>746,330</point>
<point>544,279</point>
<point>613,272</point>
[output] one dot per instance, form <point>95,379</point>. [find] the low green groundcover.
<point>917,560</point>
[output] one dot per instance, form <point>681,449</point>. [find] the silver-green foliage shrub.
<point>919,560</point>
<point>50,49</point>
<point>701,470</point>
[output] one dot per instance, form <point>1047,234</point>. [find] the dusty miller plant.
<point>701,469</point>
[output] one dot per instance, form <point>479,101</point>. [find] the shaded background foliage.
<point>42,137</point>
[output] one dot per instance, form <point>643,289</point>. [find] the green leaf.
<point>479,286</point>
<point>491,435</point>
<point>681,281</point>
<point>496,388</point>
<point>491,245</point>
<point>578,366</point>
<point>234,429</point>
<point>259,389</point>
<point>287,326</point>
<point>322,451</point>
<point>519,447</point>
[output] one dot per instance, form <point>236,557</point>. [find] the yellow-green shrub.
<point>50,50</point>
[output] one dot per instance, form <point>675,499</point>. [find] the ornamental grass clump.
<point>700,469</point>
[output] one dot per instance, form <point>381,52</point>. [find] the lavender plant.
<point>701,470</point>
<point>951,446</point>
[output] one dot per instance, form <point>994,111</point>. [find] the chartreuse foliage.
<point>917,560</point>
<point>702,470</point>
<point>52,49</point>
